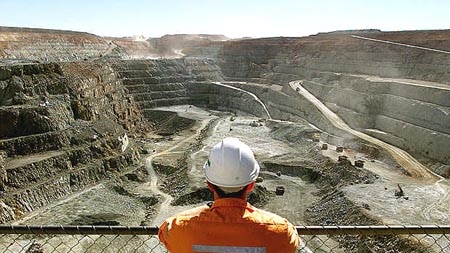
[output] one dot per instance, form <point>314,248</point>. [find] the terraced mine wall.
<point>66,125</point>
<point>379,109</point>
<point>287,104</point>
<point>63,128</point>
<point>155,83</point>
<point>42,45</point>
<point>414,118</point>
<point>269,58</point>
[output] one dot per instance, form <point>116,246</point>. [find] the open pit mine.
<point>349,127</point>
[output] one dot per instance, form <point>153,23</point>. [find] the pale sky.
<point>232,18</point>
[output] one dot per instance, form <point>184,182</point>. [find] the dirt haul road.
<point>265,148</point>
<point>409,163</point>
<point>429,193</point>
<point>165,205</point>
<point>249,93</point>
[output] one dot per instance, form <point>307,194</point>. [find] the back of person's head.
<point>231,166</point>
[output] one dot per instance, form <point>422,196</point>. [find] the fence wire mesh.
<point>111,239</point>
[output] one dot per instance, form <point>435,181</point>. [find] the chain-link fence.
<point>109,239</point>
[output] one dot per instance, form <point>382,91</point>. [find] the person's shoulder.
<point>188,214</point>
<point>269,217</point>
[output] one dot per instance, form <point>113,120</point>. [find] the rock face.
<point>62,129</point>
<point>155,83</point>
<point>332,66</point>
<point>275,58</point>
<point>67,125</point>
<point>412,117</point>
<point>26,44</point>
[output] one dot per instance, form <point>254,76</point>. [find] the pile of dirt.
<point>336,175</point>
<point>168,123</point>
<point>195,197</point>
<point>175,183</point>
<point>123,186</point>
<point>295,134</point>
<point>334,208</point>
<point>258,197</point>
<point>103,219</point>
<point>174,171</point>
<point>324,173</point>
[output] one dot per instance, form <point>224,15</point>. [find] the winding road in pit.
<point>153,183</point>
<point>409,163</point>
<point>426,213</point>
<point>249,93</point>
<point>441,182</point>
<point>398,154</point>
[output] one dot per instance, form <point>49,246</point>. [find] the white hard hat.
<point>231,163</point>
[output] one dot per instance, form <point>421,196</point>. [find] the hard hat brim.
<point>252,177</point>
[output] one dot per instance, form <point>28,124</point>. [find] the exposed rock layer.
<point>65,126</point>
<point>390,109</point>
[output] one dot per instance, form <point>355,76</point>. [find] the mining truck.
<point>279,190</point>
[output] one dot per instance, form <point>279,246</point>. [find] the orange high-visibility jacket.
<point>230,225</point>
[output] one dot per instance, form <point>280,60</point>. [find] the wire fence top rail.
<point>144,239</point>
<point>148,230</point>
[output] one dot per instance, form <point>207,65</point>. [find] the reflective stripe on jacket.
<point>231,225</point>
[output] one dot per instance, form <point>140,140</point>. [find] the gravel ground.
<point>319,191</point>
